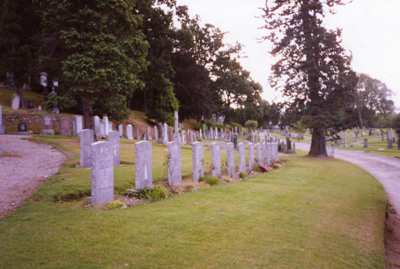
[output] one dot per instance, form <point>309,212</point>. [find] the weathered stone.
<point>16,102</point>
<point>230,159</point>
<point>242,158</point>
<point>216,160</point>
<point>143,165</point>
<point>176,122</point>
<point>2,128</point>
<point>97,125</point>
<point>121,130</point>
<point>78,124</point>
<point>102,173</point>
<point>197,161</point>
<point>48,125</point>
<point>268,153</point>
<point>114,138</point>
<point>174,164</point>
<point>259,154</point>
<point>106,126</point>
<point>66,126</point>
<point>165,134</point>
<point>251,157</point>
<point>156,136</point>
<point>86,140</point>
<point>129,132</point>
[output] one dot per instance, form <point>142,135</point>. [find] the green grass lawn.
<point>308,214</point>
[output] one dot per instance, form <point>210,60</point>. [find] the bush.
<point>212,181</point>
<point>155,194</point>
<point>243,175</point>
<point>251,124</point>
<point>115,205</point>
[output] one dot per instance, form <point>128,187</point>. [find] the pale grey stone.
<point>129,132</point>
<point>251,157</point>
<point>268,151</point>
<point>230,159</point>
<point>174,164</point>
<point>102,173</point>
<point>106,126</point>
<point>165,134</point>
<point>2,128</point>
<point>143,165</point>
<point>16,102</point>
<point>216,160</point>
<point>114,139</point>
<point>78,124</point>
<point>121,130</point>
<point>242,158</point>
<point>176,122</point>
<point>259,154</point>
<point>86,140</point>
<point>97,125</point>
<point>197,161</point>
<point>156,136</point>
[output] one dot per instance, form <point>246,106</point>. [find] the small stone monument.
<point>102,173</point>
<point>16,102</point>
<point>78,124</point>
<point>156,138</point>
<point>106,126</point>
<point>216,160</point>
<point>48,125</point>
<point>259,154</point>
<point>197,161</point>
<point>251,157</point>
<point>242,158</point>
<point>129,132</point>
<point>143,165</point>
<point>97,127</point>
<point>165,134</point>
<point>86,140</point>
<point>121,130</point>
<point>174,164</point>
<point>365,143</point>
<point>114,139</point>
<point>230,159</point>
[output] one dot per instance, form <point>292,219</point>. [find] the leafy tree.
<point>102,51</point>
<point>312,68</point>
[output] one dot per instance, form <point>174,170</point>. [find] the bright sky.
<point>371,31</point>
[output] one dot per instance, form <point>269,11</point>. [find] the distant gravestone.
<point>268,151</point>
<point>174,164</point>
<point>16,102</point>
<point>65,126</point>
<point>165,134</point>
<point>197,161</point>
<point>106,126</point>
<point>48,125</point>
<point>97,125</point>
<point>242,158</point>
<point>143,165</point>
<point>230,160</point>
<point>78,124</point>
<point>259,154</point>
<point>390,139</point>
<point>365,143</point>
<point>86,140</point>
<point>251,156</point>
<point>216,160</point>
<point>156,137</point>
<point>114,139</point>
<point>129,132</point>
<point>2,128</point>
<point>121,130</point>
<point>102,173</point>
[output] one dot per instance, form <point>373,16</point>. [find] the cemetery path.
<point>23,166</point>
<point>387,171</point>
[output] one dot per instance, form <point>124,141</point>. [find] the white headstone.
<point>16,102</point>
<point>78,124</point>
<point>242,158</point>
<point>216,160</point>
<point>165,134</point>
<point>143,165</point>
<point>174,164</point>
<point>197,161</point>
<point>86,140</point>
<point>230,159</point>
<point>129,132</point>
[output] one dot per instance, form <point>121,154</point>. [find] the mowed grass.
<point>308,214</point>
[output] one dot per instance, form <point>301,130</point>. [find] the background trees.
<point>312,69</point>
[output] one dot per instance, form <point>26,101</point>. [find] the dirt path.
<point>23,166</point>
<point>387,171</point>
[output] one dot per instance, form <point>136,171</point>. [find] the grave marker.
<point>86,138</point>
<point>114,139</point>
<point>143,165</point>
<point>242,157</point>
<point>197,161</point>
<point>216,160</point>
<point>230,159</point>
<point>174,164</point>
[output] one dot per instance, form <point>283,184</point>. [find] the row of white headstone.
<point>103,156</point>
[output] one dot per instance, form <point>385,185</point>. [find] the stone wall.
<point>62,123</point>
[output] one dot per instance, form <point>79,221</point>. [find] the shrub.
<point>212,181</point>
<point>155,194</point>
<point>251,124</point>
<point>243,175</point>
<point>115,205</point>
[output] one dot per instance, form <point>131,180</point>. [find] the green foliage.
<point>154,194</point>
<point>210,180</point>
<point>243,175</point>
<point>251,124</point>
<point>116,204</point>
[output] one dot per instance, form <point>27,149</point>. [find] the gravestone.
<point>106,126</point>
<point>156,138</point>
<point>48,125</point>
<point>174,164</point>
<point>230,159</point>
<point>197,161</point>
<point>78,124</point>
<point>268,151</point>
<point>390,139</point>
<point>121,130</point>
<point>242,158</point>
<point>251,157</point>
<point>114,139</point>
<point>65,126</point>
<point>129,132</point>
<point>365,143</point>
<point>86,138</point>
<point>16,102</point>
<point>165,134</point>
<point>143,165</point>
<point>216,160</point>
<point>259,154</point>
<point>97,125</point>
<point>2,128</point>
<point>102,173</point>
<point>149,136</point>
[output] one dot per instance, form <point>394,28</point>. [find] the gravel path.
<point>24,165</point>
<point>387,171</point>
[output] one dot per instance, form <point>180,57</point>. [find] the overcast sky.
<point>371,31</point>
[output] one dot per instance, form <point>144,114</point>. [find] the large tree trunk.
<point>318,144</point>
<point>87,112</point>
